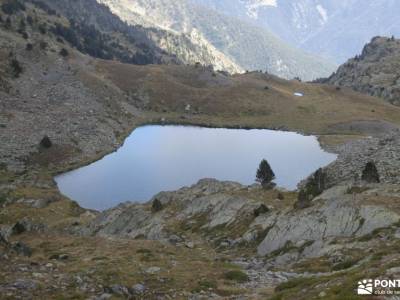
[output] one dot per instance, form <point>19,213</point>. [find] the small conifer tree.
<point>265,175</point>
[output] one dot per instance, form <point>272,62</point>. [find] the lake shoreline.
<point>191,153</point>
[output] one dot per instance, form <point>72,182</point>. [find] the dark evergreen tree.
<point>42,28</point>
<point>16,67</point>
<point>156,206</point>
<point>46,142</point>
<point>29,19</point>
<point>370,173</point>
<point>8,23</point>
<point>64,52</point>
<point>314,186</point>
<point>11,7</point>
<point>265,175</point>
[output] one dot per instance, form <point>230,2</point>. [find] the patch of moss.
<point>286,248</point>
<point>314,265</point>
<point>344,264</point>
<point>340,293</point>
<point>236,275</point>
<point>356,190</point>
<point>228,265</point>
<point>147,255</point>
<point>262,234</point>
<point>143,251</point>
<point>3,199</point>
<point>369,236</point>
<point>204,285</point>
<point>294,283</point>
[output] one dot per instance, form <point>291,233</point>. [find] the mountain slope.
<point>93,29</point>
<point>375,72</point>
<point>100,33</point>
<point>251,47</point>
<point>334,29</point>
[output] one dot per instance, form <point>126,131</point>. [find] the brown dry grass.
<point>115,261</point>
<point>242,100</point>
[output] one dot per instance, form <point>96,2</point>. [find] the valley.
<point>334,30</point>
<point>248,46</point>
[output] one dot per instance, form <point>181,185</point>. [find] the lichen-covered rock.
<point>128,220</point>
<point>383,150</point>
<point>374,72</point>
<point>341,216</point>
<point>208,204</point>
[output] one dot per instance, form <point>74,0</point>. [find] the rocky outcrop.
<point>337,216</point>
<point>211,205</point>
<point>129,220</point>
<point>353,157</point>
<point>206,205</point>
<point>375,72</point>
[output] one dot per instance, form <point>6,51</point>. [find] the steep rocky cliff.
<point>375,72</point>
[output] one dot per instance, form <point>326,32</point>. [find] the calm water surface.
<point>164,158</point>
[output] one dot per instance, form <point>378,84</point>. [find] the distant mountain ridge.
<point>375,72</point>
<point>191,47</point>
<point>334,29</point>
<point>248,46</point>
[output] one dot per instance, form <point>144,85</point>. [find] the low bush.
<point>64,52</point>
<point>11,7</point>
<point>236,275</point>
<point>204,285</point>
<point>344,265</point>
<point>16,67</point>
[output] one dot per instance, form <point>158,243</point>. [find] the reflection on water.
<point>163,158</point>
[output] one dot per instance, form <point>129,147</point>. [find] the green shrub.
<point>236,275</point>
<point>29,19</point>
<point>344,264</point>
<point>11,7</point>
<point>42,28</point>
<point>143,251</point>
<point>16,67</point>
<point>204,285</point>
<point>64,52</point>
<point>8,23</point>
<point>356,190</point>
<point>265,174</point>
<point>314,186</point>
<point>156,206</point>
<point>292,283</point>
<point>3,199</point>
